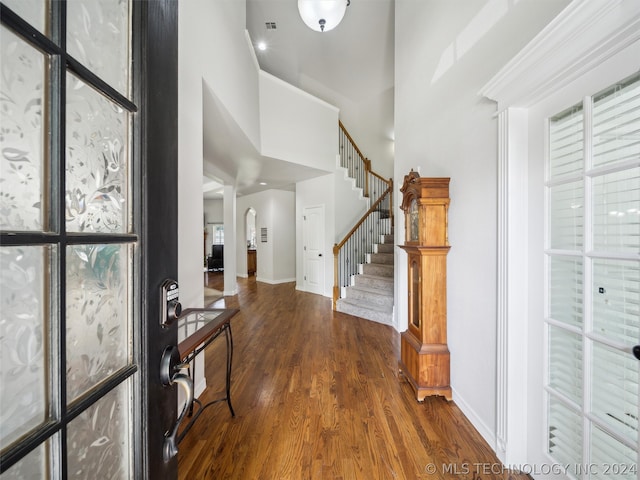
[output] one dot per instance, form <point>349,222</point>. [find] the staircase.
<point>370,294</point>
<point>363,268</point>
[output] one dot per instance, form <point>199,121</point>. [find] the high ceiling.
<point>350,67</point>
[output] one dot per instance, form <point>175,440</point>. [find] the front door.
<point>88,160</point>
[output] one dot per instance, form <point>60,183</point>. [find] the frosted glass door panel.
<point>616,123</point>
<point>99,440</point>
<point>616,300</point>
<point>565,289</point>
<point>97,168</point>
<point>22,138</point>
<point>98,36</point>
<point>567,216</point>
<point>24,374</point>
<point>33,11</point>
<point>616,211</point>
<point>34,466</point>
<point>566,139</point>
<point>98,315</point>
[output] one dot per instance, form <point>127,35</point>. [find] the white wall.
<point>445,52</point>
<point>352,204</point>
<point>204,52</point>
<point>295,126</point>
<point>276,259</point>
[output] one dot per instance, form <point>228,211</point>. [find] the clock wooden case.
<point>424,354</point>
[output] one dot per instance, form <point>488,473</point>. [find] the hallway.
<point>317,396</point>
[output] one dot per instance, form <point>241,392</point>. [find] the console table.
<point>199,327</point>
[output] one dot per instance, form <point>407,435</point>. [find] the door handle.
<point>170,374</point>
<point>636,351</point>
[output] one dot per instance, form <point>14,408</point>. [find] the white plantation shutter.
<point>593,282</point>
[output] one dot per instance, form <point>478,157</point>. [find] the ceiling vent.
<point>271,25</point>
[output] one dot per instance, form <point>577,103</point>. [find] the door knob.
<point>319,254</point>
<point>636,351</point>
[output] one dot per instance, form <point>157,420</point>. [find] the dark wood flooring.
<point>317,396</point>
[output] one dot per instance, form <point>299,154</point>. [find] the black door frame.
<point>159,233</point>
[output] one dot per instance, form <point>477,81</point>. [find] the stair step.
<point>384,316</point>
<point>387,238</point>
<point>373,281</point>
<point>381,258</point>
<point>383,247</point>
<point>378,269</point>
<point>370,296</point>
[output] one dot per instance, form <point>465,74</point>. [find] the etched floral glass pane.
<point>98,441</point>
<point>98,36</point>
<point>32,467</point>
<point>97,162</point>
<point>98,315</point>
<point>23,366</point>
<point>22,143</point>
<point>32,11</point>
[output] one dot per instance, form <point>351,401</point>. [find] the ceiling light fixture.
<point>262,46</point>
<point>322,15</point>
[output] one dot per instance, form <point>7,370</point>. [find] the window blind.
<point>565,433</point>
<point>567,216</point>
<point>565,289</point>
<point>566,139</point>
<point>614,393</point>
<point>565,363</point>
<point>616,123</point>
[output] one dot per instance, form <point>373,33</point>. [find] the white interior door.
<point>313,249</point>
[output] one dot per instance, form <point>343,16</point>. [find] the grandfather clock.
<point>424,357</point>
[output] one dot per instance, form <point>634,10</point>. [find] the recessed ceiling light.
<point>262,183</point>
<point>262,46</point>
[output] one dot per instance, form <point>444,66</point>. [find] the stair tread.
<point>374,290</point>
<point>368,306</point>
<point>380,277</point>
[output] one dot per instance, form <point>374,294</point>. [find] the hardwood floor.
<point>317,396</point>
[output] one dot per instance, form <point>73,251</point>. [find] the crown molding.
<point>582,36</point>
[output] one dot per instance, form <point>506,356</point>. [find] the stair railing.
<point>359,167</point>
<point>353,248</point>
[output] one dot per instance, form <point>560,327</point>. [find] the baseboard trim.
<point>484,431</point>
<point>200,387</point>
<point>275,282</point>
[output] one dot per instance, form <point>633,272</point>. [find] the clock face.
<point>413,221</point>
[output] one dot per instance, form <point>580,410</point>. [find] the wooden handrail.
<point>338,246</point>
<point>344,130</point>
<point>366,163</point>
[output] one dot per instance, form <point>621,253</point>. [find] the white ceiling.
<point>349,67</point>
